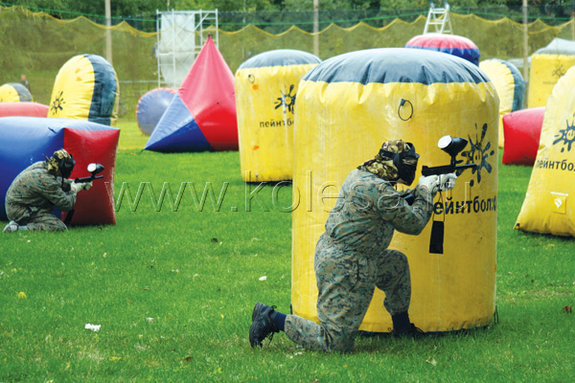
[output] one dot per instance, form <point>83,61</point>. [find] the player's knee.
<point>341,340</point>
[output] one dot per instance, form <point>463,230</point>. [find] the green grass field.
<point>173,292</point>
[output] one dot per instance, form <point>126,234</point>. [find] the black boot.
<point>262,324</point>
<point>402,327</point>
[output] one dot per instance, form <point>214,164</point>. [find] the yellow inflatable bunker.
<point>347,107</point>
<point>549,205</point>
<point>266,87</point>
<point>548,64</point>
<point>510,87</point>
<point>86,88</point>
<point>14,92</point>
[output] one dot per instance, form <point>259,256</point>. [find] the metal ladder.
<point>439,19</point>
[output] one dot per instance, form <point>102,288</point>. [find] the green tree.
<point>127,8</point>
<point>225,5</point>
<point>119,8</point>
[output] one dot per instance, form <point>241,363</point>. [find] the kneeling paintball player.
<point>351,256</point>
<point>40,188</point>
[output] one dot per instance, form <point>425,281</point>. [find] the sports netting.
<point>38,45</point>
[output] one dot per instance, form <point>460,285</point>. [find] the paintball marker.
<point>94,169</point>
<point>452,146</point>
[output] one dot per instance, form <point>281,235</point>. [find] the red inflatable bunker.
<point>26,140</point>
<point>521,130</point>
<point>30,109</point>
<point>96,206</point>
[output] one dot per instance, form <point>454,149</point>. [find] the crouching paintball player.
<point>352,258</point>
<point>40,188</point>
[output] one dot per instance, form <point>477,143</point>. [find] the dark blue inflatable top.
<point>105,90</point>
<point>280,57</point>
<point>389,65</point>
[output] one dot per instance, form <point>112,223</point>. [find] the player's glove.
<point>430,182</point>
<point>76,187</point>
<point>447,181</point>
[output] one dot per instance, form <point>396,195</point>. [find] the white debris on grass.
<point>92,327</point>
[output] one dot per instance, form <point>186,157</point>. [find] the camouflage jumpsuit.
<point>351,259</point>
<point>33,195</point>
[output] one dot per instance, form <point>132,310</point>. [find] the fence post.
<point>525,43</point>
<point>316,27</point>
<point>108,32</point>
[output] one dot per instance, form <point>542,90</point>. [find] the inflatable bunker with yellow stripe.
<point>509,85</point>
<point>86,88</point>
<point>548,65</point>
<point>266,89</point>
<point>347,106</point>
<point>14,92</point>
<point>549,205</point>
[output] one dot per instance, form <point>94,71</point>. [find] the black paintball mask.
<point>405,162</point>
<point>66,166</point>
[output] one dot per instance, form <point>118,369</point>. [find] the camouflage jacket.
<point>35,187</point>
<point>368,209</point>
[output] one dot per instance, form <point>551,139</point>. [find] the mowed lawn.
<point>173,287</point>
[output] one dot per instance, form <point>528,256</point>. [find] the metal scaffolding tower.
<point>181,36</point>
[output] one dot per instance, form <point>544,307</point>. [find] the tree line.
<point>125,8</point>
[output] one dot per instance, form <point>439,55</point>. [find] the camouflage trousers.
<point>346,282</point>
<point>34,219</point>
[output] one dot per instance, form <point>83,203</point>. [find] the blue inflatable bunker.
<point>151,107</point>
<point>26,140</point>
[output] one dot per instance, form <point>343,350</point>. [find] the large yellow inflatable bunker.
<point>548,64</point>
<point>86,88</point>
<point>549,205</point>
<point>14,92</point>
<point>347,107</point>
<point>266,87</point>
<point>509,85</point>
